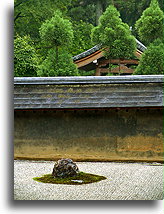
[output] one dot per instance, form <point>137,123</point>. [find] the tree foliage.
<point>33,21</point>
<point>30,14</point>
<point>79,11</point>
<point>64,66</point>
<point>82,37</point>
<point>91,10</point>
<point>57,31</point>
<point>150,25</point>
<point>88,10</point>
<point>25,57</point>
<point>114,35</point>
<point>151,61</point>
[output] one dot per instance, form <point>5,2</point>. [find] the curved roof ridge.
<point>87,52</point>
<point>95,48</point>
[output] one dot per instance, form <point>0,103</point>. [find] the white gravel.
<point>125,181</point>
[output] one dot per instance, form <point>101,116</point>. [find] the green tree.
<point>151,61</point>
<point>100,7</point>
<point>88,10</point>
<point>30,14</point>
<point>65,66</point>
<point>131,10</point>
<point>82,12</point>
<point>25,57</point>
<point>57,33</point>
<point>114,35</point>
<point>150,25</point>
<point>82,37</point>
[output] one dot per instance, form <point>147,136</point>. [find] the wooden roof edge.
<point>97,52</point>
<point>90,56</point>
<point>140,47</point>
<point>95,56</point>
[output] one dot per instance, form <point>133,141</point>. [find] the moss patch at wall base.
<point>79,179</point>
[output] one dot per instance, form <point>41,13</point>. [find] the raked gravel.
<point>125,181</point>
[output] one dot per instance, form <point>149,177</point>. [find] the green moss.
<point>81,176</point>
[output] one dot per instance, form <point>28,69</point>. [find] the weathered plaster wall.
<point>97,135</point>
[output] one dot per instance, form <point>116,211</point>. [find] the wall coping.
<point>88,80</point>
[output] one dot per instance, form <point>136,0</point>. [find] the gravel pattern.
<point>125,181</point>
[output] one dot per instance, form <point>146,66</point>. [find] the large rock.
<point>65,168</point>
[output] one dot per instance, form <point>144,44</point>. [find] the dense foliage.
<point>64,66</point>
<point>34,34</point>
<point>114,35</point>
<point>150,25</point>
<point>152,59</point>
<point>30,14</point>
<point>82,37</point>
<point>57,31</point>
<point>25,57</point>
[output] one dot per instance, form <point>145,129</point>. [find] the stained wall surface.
<point>133,134</point>
<point>89,118</point>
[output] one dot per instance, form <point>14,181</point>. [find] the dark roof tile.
<point>140,47</point>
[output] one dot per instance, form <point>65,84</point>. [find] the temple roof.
<point>92,50</point>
